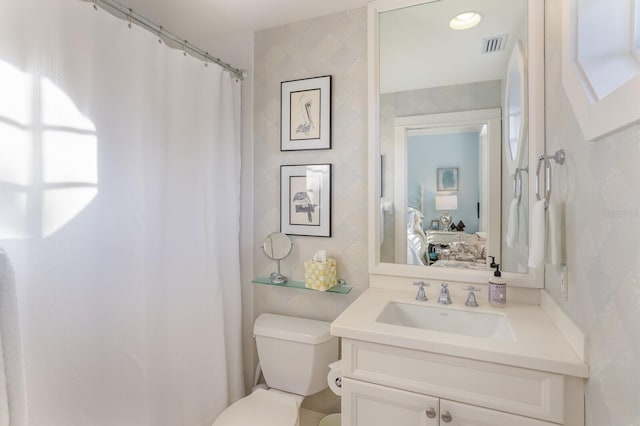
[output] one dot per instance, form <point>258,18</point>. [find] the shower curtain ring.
<point>206,63</point>
<point>129,17</point>
<point>95,4</point>
<point>184,48</point>
<point>160,34</point>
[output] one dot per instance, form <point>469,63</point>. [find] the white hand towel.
<point>538,228</point>
<point>386,207</point>
<point>523,225</point>
<point>512,224</point>
<point>554,235</point>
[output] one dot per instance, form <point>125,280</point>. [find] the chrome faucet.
<point>421,294</point>
<point>444,298</point>
<point>471,299</point>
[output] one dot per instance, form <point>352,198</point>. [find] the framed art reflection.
<point>447,179</point>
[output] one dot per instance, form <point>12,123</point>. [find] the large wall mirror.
<point>452,129</point>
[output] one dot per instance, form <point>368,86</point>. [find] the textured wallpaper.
<point>599,189</point>
<point>333,45</point>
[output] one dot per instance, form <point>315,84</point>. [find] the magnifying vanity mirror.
<point>277,246</point>
<point>452,129</point>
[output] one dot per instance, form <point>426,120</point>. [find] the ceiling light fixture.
<point>465,21</point>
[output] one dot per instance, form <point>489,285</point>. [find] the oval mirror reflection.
<point>515,104</point>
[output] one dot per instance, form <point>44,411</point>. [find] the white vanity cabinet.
<point>393,386</point>
<point>468,415</point>
<point>375,405</point>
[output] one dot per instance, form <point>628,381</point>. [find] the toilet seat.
<point>262,407</point>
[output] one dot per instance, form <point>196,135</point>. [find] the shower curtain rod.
<point>130,15</point>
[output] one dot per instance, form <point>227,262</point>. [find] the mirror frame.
<point>380,273</point>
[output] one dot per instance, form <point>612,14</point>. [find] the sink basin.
<point>447,320</point>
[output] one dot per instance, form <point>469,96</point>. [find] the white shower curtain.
<point>119,195</point>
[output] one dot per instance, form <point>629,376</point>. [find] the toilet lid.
<point>263,408</point>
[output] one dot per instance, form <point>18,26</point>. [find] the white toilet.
<point>295,354</point>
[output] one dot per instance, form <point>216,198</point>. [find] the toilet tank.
<point>295,353</point>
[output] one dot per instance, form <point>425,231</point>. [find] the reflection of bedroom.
<point>426,153</point>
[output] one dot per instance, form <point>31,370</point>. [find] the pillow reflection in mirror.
<point>472,251</point>
<point>416,239</point>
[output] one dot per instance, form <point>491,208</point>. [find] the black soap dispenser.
<point>497,289</point>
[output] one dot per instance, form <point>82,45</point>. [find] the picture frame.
<point>447,178</point>
<point>305,199</point>
<point>305,114</point>
<point>435,225</point>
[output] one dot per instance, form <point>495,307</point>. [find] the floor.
<point>309,417</point>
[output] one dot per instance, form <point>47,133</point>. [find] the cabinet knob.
<point>446,417</point>
<point>431,413</point>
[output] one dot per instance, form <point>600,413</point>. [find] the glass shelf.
<point>341,289</point>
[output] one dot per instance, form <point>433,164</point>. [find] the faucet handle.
<point>444,298</point>
<point>421,294</point>
<point>471,299</point>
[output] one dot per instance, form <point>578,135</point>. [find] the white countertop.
<point>538,344</point>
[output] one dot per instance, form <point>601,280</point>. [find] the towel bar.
<point>517,183</point>
<point>559,158</point>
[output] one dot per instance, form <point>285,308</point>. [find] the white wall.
<point>599,187</point>
<point>427,153</point>
<point>333,45</point>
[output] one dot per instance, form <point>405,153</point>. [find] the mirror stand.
<point>277,277</point>
<point>276,247</point>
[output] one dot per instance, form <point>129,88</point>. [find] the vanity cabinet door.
<point>456,414</point>
<point>366,404</point>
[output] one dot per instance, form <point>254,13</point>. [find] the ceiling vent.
<point>494,44</point>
